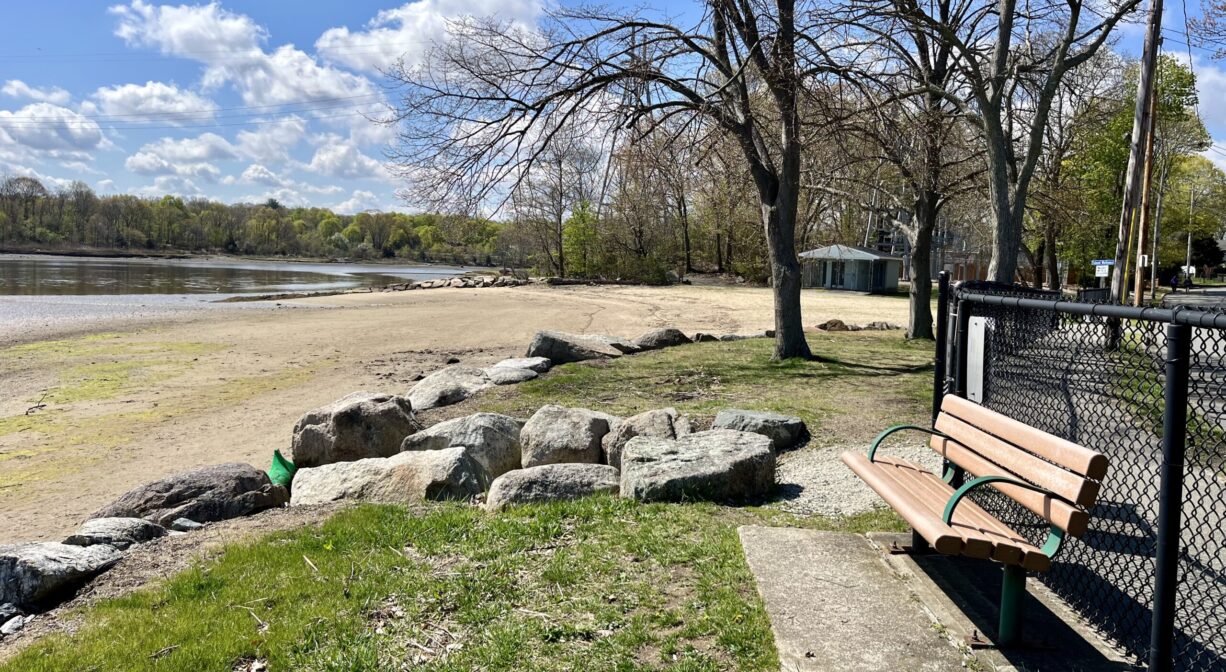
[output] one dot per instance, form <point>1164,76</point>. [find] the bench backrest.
<point>986,443</point>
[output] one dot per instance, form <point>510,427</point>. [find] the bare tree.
<point>1008,58</point>
<point>489,101</point>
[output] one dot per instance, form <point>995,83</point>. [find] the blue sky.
<point>242,101</point>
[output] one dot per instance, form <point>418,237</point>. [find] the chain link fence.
<point>1098,375</point>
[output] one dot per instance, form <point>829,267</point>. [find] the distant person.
<point>1175,283</point>
<point>1187,282</point>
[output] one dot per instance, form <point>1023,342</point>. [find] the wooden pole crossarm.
<point>872,450</point>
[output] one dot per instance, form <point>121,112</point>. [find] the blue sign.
<point>1103,262</point>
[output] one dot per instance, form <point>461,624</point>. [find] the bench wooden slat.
<point>1079,459</point>
<point>1052,509</point>
<point>974,544</point>
<point>939,535</point>
<point>969,519</point>
<point>1020,463</point>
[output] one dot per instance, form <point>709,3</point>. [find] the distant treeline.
<point>31,215</point>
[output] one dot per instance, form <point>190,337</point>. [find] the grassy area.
<point>865,381</point>
<point>602,584</point>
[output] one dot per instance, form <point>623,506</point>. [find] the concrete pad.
<point>964,595</point>
<point>835,605</point>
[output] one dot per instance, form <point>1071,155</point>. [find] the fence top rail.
<point>1180,315</point>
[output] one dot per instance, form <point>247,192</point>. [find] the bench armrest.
<point>1055,535</point>
<point>872,450</point>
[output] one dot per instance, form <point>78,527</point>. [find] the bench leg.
<point>919,544</point>
<point>1012,595</point>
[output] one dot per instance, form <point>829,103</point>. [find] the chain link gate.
<point>1150,573</point>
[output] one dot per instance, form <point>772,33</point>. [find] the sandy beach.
<point>135,395</point>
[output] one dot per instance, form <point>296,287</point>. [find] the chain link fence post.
<point>1170,497</point>
<point>942,345</point>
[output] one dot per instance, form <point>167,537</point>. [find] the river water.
<point>37,275</point>
<point>45,296</point>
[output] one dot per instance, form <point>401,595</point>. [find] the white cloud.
<point>106,185</point>
<point>182,157</point>
<point>258,174</point>
<point>337,158</point>
<point>204,147</point>
<point>48,181</point>
<point>408,31</point>
<point>360,200</point>
<point>285,196</point>
<point>49,129</point>
<point>19,89</point>
<point>272,142</point>
<point>188,30</point>
<point>173,185</point>
<point>153,102</point>
<point>230,47</point>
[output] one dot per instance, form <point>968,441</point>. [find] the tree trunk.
<point>1053,264</point>
<point>719,254</point>
<point>779,219</point>
<point>920,320</point>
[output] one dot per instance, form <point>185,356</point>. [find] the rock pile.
<point>464,282</point>
<point>840,325</point>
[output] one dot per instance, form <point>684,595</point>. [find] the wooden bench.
<point>1055,479</point>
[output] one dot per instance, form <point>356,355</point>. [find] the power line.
<point>254,122</point>
<point>244,110</point>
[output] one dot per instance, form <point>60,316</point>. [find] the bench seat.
<point>920,496</point>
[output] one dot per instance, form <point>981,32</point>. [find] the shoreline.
<point>170,255</point>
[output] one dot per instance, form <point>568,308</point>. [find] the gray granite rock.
<point>661,338</point>
<point>448,386</point>
<point>118,532</point>
<point>211,493</point>
<point>555,434</point>
<point>551,482</point>
<point>538,364</point>
<point>34,572</point>
<point>505,375</point>
<point>447,474</point>
<point>661,424</point>
<point>716,465</point>
<point>492,440</point>
<point>355,427</point>
<point>784,431</point>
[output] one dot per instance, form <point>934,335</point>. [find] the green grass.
<point>600,584</point>
<point>864,381</point>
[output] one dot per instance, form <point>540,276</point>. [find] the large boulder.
<point>551,482</point>
<point>448,386</point>
<point>505,375</point>
<point>118,532</point>
<point>408,477</point>
<point>555,434</point>
<point>664,423</point>
<point>784,431</point>
<point>36,572</point>
<point>211,493</point>
<point>355,427</point>
<point>561,348</point>
<point>661,338</point>
<point>492,440</point>
<point>538,364</point>
<point>716,465</point>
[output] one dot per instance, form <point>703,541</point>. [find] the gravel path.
<point>814,480</point>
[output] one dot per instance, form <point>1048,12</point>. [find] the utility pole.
<point>1139,290</point>
<point>1191,206</point>
<point>1140,126</point>
<point>1153,256</point>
